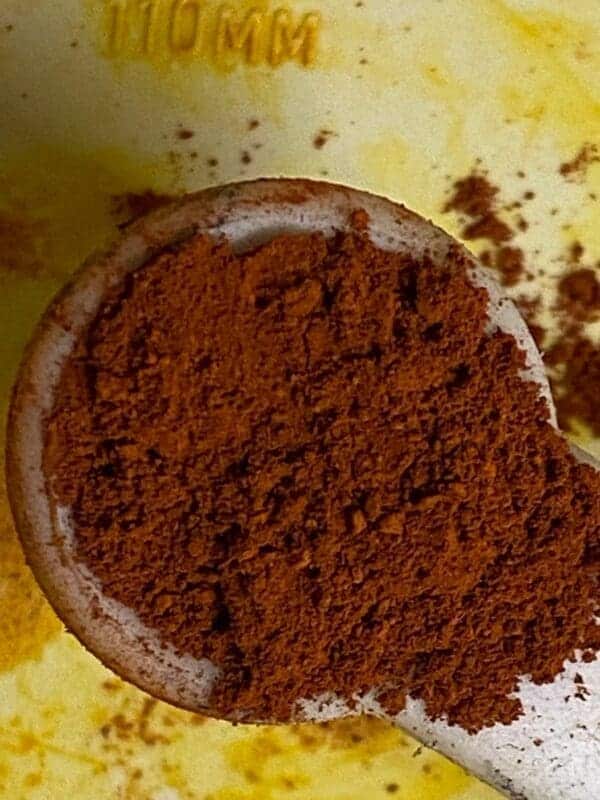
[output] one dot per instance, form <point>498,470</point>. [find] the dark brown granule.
<point>184,134</point>
<point>486,258</point>
<point>322,137</point>
<point>522,224</point>
<point>312,465</point>
<point>576,252</point>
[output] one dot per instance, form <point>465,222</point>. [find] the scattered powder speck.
<point>579,294</point>
<point>576,168</point>
<point>574,363</point>
<point>510,264</point>
<point>572,357</point>
<point>322,137</point>
<point>474,196</point>
<point>476,199</point>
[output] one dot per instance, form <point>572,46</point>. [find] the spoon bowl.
<point>247,215</point>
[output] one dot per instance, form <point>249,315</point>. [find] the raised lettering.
<point>148,9</point>
<point>184,26</point>
<point>117,24</point>
<point>241,35</point>
<point>289,41</point>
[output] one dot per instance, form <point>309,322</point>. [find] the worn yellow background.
<point>397,97</point>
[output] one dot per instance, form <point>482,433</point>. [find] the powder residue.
<point>476,198</point>
<point>321,138</point>
<point>579,294</point>
<point>574,362</point>
<point>312,465</point>
<point>508,262</point>
<point>573,358</point>
<point>576,168</point>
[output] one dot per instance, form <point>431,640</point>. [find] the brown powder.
<point>488,227</point>
<point>473,195</point>
<point>579,294</point>
<point>321,138</point>
<point>575,170</point>
<point>312,465</point>
<point>510,265</point>
<point>477,199</point>
<point>574,361</point>
<point>576,252</point>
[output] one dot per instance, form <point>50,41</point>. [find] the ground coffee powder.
<point>312,464</point>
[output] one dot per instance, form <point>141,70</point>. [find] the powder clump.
<point>311,464</point>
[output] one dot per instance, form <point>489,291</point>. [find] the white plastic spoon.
<point>552,752</point>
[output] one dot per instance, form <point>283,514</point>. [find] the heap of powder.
<point>313,465</point>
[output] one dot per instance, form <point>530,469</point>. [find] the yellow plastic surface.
<point>99,98</point>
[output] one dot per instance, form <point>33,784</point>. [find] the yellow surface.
<point>406,97</point>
